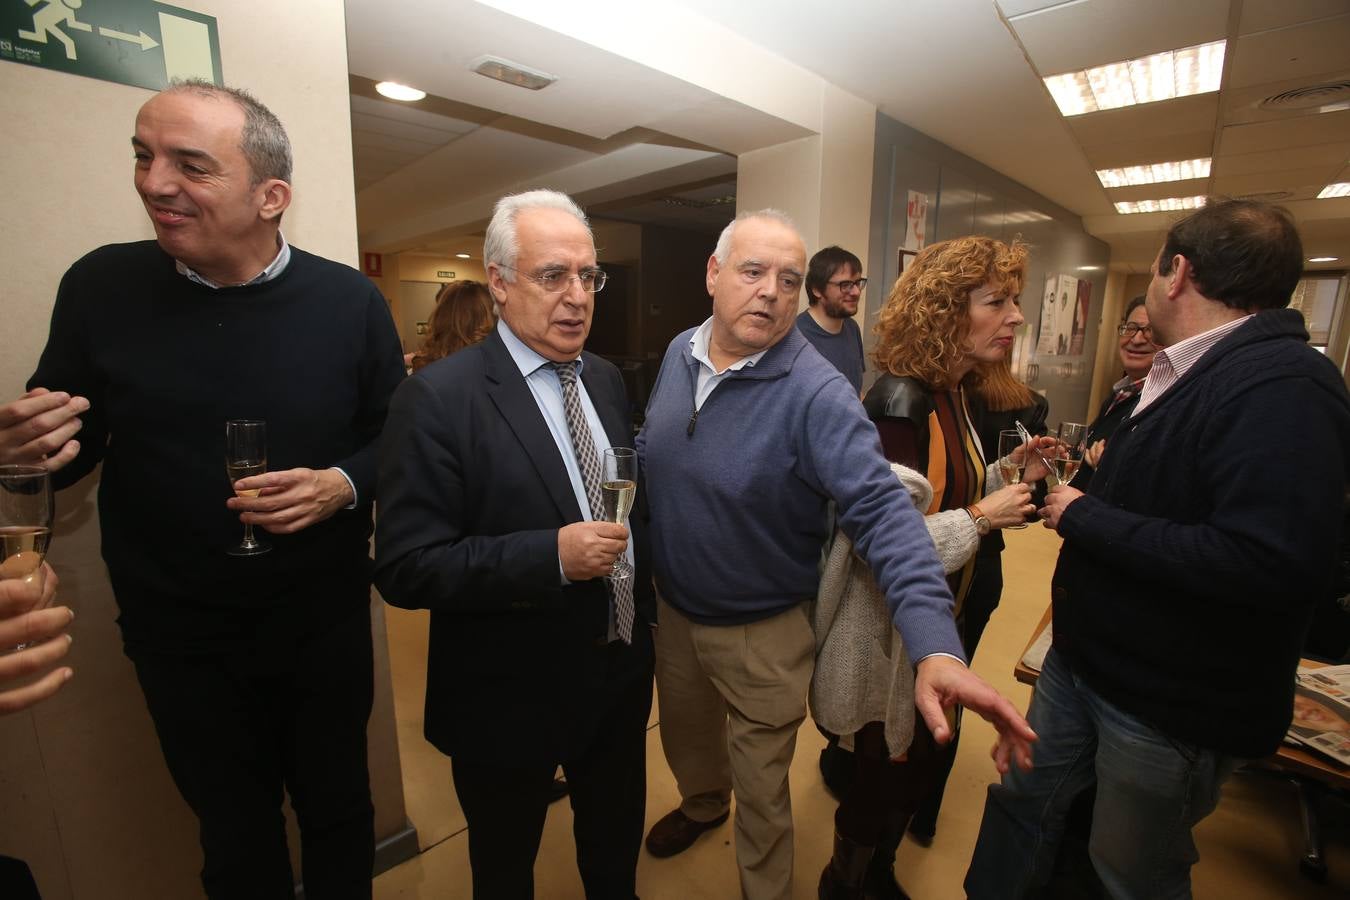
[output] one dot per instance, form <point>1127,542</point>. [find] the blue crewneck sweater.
<point>738,496</point>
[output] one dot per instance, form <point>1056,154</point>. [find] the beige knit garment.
<point>863,673</point>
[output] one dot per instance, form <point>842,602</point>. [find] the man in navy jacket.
<point>1189,569</point>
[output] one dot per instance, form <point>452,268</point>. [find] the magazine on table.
<point>1322,711</point>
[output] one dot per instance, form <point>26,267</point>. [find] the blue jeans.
<point>1151,790</point>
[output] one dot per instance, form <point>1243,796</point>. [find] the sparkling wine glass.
<point>618,490</point>
<point>1069,455</point>
<point>26,513</point>
<point>246,455</point>
<point>1009,442</point>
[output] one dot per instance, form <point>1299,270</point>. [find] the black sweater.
<point>164,362</point>
<point>1189,570</point>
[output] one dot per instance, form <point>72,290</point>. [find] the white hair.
<point>723,249</point>
<point>500,245</point>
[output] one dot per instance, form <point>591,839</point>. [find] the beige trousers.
<point>731,701</point>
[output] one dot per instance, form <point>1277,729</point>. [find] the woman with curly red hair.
<point>948,321</point>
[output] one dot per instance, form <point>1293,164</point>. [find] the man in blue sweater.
<point>750,433</point>
<point>1189,569</point>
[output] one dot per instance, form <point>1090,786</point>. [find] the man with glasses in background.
<point>834,285</point>
<point>490,517</point>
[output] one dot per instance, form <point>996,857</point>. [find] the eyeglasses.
<point>1130,329</point>
<point>847,285</point>
<point>555,281</point>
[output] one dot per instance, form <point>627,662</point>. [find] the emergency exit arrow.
<point>145,40</point>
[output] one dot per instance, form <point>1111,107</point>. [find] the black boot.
<point>879,882</point>
<point>843,875</point>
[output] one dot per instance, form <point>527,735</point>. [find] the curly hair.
<point>922,328</point>
<point>463,316</point>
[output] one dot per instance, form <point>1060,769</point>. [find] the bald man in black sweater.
<point>257,670</point>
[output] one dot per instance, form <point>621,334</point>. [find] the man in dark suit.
<point>487,518</point>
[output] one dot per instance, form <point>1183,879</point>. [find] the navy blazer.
<point>472,494</point>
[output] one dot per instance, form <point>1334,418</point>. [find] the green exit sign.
<point>134,42</point>
<point>444,274</point>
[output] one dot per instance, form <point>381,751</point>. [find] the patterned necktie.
<point>588,461</point>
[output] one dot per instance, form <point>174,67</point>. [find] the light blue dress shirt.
<point>542,380</point>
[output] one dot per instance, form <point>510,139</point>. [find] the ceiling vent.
<point>1310,96</point>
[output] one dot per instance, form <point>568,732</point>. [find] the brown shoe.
<point>675,833</point>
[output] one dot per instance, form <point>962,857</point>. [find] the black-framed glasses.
<point>848,284</point>
<point>555,281</point>
<point>1130,329</point>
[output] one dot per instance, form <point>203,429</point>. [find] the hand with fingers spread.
<point>291,500</point>
<point>588,549</point>
<point>27,620</point>
<point>40,427</point>
<point>942,682</point>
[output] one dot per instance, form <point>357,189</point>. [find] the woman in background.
<point>949,319</point>
<point>463,316</point>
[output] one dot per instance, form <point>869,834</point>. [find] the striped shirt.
<point>1170,363</point>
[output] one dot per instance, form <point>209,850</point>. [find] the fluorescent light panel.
<point>1162,76</point>
<point>1324,259</point>
<point>1154,173</point>
<point>1164,205</point>
<point>1339,189</point>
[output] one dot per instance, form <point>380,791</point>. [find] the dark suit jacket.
<point>472,494</point>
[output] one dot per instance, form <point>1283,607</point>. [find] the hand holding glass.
<point>26,513</point>
<point>1012,460</point>
<point>245,456</point>
<point>618,490</point>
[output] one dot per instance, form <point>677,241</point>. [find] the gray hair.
<point>723,249</point>
<point>500,245</point>
<point>263,140</point>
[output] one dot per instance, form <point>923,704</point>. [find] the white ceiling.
<point>965,72</point>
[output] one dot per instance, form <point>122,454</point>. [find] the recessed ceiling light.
<point>1339,189</point>
<point>512,73</point>
<point>1162,76</point>
<point>1164,205</point>
<point>395,91</point>
<point>1089,268</point>
<point>462,256</point>
<point>1154,173</point>
<point>1324,259</point>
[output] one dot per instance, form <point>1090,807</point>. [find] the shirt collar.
<point>526,359</point>
<point>274,268</point>
<point>698,345</point>
<point>1184,354</point>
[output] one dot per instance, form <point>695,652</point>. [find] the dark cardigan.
<point>1188,572</point>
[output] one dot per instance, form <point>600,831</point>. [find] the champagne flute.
<point>618,490</point>
<point>246,455</point>
<point>1070,455</point>
<point>26,513</point>
<point>1009,442</point>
